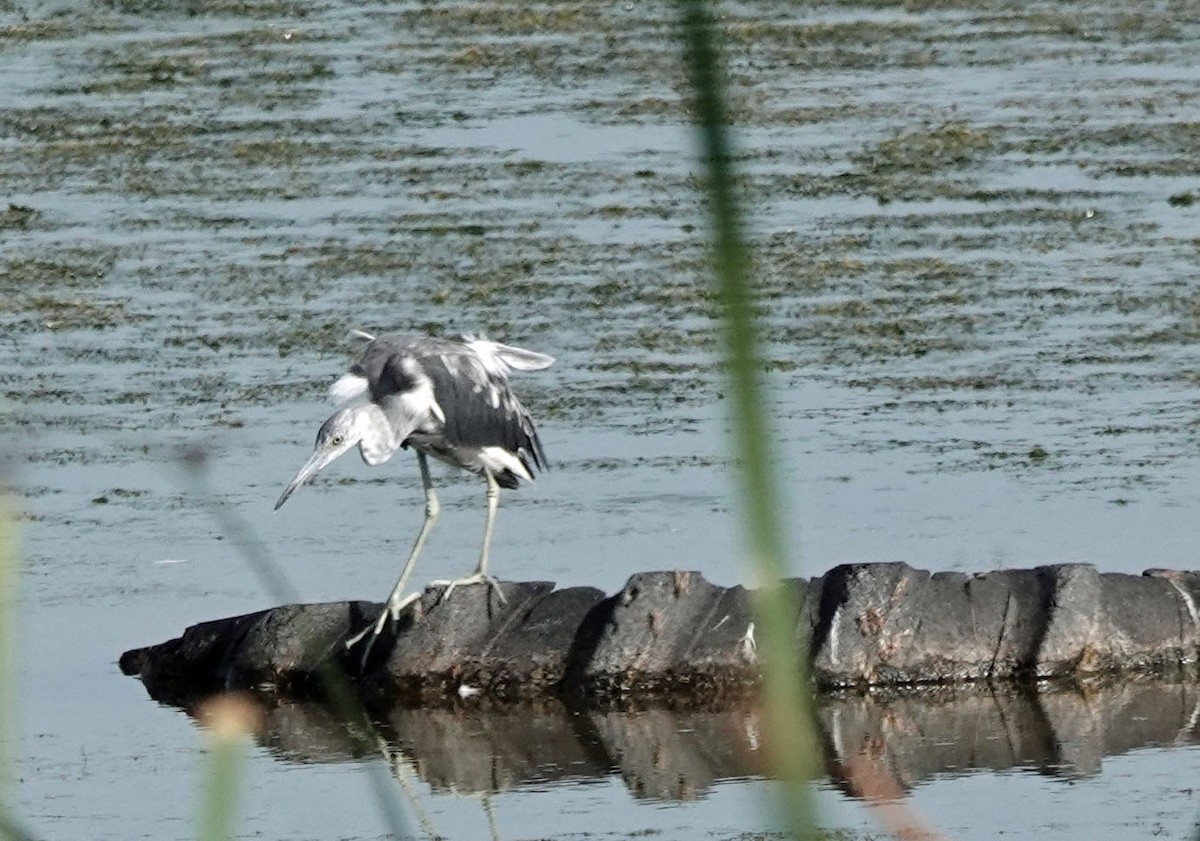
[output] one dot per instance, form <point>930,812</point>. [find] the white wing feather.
<point>349,388</point>
<point>499,359</point>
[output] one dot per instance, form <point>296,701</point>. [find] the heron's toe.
<point>477,578</point>
<point>394,607</point>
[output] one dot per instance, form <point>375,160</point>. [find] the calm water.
<point>977,250</point>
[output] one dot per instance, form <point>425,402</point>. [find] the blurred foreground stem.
<point>10,828</point>
<point>789,736</point>
<point>8,644</point>
<point>222,776</point>
<point>334,681</point>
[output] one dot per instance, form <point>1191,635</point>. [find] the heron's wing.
<point>478,407</point>
<point>397,383</point>
<point>450,389</point>
<point>501,358</point>
<point>351,387</point>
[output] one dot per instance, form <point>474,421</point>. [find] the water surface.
<point>974,230</point>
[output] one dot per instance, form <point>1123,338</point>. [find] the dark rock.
<point>194,664</point>
<point>1145,632</point>
<point>285,646</point>
<point>891,624</point>
<point>672,632</point>
<point>281,647</point>
<point>472,642</point>
<point>673,635</point>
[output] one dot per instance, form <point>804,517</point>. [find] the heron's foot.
<point>390,611</point>
<point>477,578</point>
<point>395,606</point>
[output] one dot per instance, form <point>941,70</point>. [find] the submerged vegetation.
<point>897,235</point>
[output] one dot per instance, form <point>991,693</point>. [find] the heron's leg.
<point>395,603</point>
<point>432,509</point>
<point>493,502</point>
<point>480,576</point>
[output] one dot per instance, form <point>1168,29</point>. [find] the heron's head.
<point>343,430</point>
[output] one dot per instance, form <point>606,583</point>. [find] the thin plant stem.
<point>220,783</point>
<point>9,581</point>
<point>784,682</point>
<point>334,681</point>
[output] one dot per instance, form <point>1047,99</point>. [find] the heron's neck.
<point>378,441</point>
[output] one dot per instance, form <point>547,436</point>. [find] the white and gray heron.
<point>446,399</point>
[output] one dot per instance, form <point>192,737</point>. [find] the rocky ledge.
<point>674,635</point>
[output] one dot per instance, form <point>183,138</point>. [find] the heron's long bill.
<point>316,461</point>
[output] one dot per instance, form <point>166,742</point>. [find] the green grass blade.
<point>785,685</point>
<point>229,720</point>
<point>9,575</point>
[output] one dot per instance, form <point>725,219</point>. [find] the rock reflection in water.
<point>660,754</point>
<point>470,750</point>
<point>675,755</point>
<point>1059,731</point>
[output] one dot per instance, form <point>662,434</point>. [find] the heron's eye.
<point>337,440</point>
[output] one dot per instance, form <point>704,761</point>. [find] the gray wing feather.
<point>382,365</point>
<point>481,409</point>
<point>479,406</point>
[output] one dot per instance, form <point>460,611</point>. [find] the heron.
<point>446,399</point>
